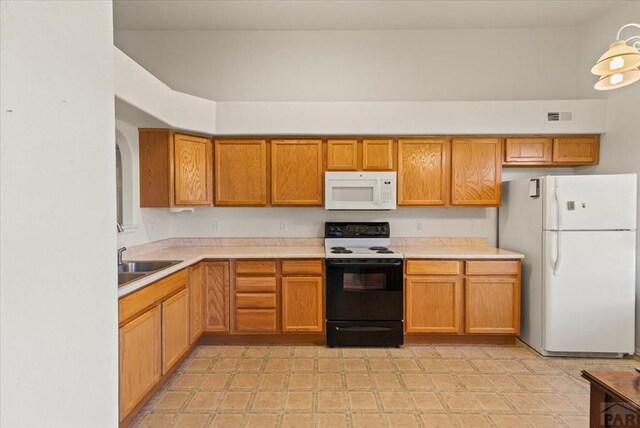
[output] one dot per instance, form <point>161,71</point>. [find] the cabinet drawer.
<point>255,320</point>
<point>255,285</point>
<point>302,267</point>
<point>433,267</point>
<point>485,267</point>
<point>255,300</point>
<point>260,267</point>
<point>151,294</point>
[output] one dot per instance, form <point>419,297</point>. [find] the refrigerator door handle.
<point>558,205</point>
<point>556,263</point>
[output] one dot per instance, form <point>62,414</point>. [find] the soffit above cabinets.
<point>352,15</point>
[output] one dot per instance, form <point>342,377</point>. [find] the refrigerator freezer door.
<point>590,202</point>
<point>590,301</point>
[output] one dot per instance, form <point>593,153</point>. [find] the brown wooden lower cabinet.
<point>154,336</point>
<point>483,298</point>
<point>302,304</point>
<point>140,358</point>
<point>196,302</point>
<point>256,321</point>
<point>216,296</point>
<point>175,329</point>
<point>492,305</point>
<point>433,304</point>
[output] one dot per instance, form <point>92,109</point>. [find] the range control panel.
<point>356,230</point>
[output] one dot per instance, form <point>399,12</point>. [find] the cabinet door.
<point>476,166</point>
<point>216,285</point>
<point>434,304</point>
<point>527,151</point>
<point>377,155</point>
<point>140,364</point>
<point>175,329</point>
<point>576,150</point>
<point>302,304</point>
<point>241,172</point>
<point>196,303</point>
<point>192,170</point>
<point>492,305</point>
<point>342,155</point>
<point>296,172</point>
<point>423,173</point>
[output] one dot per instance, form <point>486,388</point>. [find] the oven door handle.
<point>383,264</point>
<point>363,328</point>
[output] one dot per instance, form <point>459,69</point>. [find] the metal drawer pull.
<point>363,328</point>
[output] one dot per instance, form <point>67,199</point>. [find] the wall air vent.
<point>559,116</point>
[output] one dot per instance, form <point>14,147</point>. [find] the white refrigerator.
<point>578,235</point>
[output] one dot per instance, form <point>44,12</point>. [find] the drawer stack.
<point>256,296</point>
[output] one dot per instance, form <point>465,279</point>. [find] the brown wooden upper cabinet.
<point>423,172</point>
<point>241,172</point>
<point>550,151</point>
<point>476,165</point>
<point>353,155</point>
<point>527,151</point>
<point>296,172</point>
<point>342,155</point>
<point>377,155</point>
<point>576,150</point>
<point>175,169</point>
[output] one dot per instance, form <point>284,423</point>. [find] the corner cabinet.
<point>476,167</point>
<point>175,169</point>
<point>296,172</point>
<point>241,172</point>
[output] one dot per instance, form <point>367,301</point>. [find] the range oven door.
<point>364,290</point>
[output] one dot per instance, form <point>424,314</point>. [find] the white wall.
<point>58,311</point>
<point>406,118</point>
<point>309,222</point>
<point>415,65</point>
<point>621,144</point>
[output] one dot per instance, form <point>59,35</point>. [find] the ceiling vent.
<point>559,116</point>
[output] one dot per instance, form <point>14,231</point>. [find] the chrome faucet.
<point>120,251</point>
<point>119,226</point>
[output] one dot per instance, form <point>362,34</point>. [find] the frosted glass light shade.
<point>618,80</point>
<point>619,58</point>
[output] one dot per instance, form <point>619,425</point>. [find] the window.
<point>119,202</point>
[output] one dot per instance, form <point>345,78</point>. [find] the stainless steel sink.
<point>145,266</point>
<point>126,277</point>
<point>135,269</point>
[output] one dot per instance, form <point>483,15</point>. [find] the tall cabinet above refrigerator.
<point>578,235</point>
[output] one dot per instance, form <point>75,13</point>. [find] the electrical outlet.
<point>216,225</point>
<point>284,225</point>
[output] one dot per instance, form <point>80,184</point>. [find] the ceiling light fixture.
<point>620,65</point>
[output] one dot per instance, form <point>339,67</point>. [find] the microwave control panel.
<point>387,191</point>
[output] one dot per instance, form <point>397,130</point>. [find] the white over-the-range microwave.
<point>352,191</point>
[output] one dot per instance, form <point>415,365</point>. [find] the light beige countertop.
<point>194,250</point>
<point>452,252</point>
<point>193,255</point>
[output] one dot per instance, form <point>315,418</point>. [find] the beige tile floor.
<point>415,386</point>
